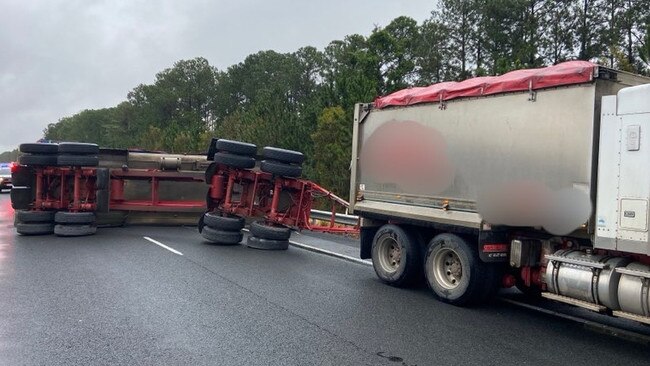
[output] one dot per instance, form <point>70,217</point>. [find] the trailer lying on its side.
<point>70,188</point>
<point>538,178</point>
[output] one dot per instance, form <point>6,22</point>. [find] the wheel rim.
<point>390,254</point>
<point>447,268</point>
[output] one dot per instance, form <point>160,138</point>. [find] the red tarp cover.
<point>566,73</point>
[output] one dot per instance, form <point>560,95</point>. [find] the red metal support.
<point>216,187</point>
<point>76,201</point>
<point>117,189</point>
<point>39,189</point>
<point>154,191</point>
<point>277,189</point>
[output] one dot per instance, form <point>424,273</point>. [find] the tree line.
<point>304,100</point>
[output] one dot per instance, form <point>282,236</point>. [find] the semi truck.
<point>536,178</point>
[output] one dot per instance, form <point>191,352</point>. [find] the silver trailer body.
<point>520,159</point>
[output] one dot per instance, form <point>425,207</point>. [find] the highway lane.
<point>116,298</point>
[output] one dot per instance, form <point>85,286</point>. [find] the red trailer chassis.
<point>280,200</point>
<point>241,192</point>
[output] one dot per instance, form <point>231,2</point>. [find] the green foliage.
<point>331,161</point>
<point>304,100</point>
<point>9,156</point>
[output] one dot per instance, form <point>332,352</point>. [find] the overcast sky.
<point>58,57</point>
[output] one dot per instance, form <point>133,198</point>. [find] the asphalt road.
<point>117,298</point>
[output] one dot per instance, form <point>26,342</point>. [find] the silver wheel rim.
<point>447,268</point>
<point>390,254</point>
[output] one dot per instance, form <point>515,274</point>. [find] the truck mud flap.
<point>493,246</point>
<point>366,236</point>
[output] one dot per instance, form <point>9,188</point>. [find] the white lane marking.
<point>330,253</point>
<point>163,245</point>
<point>326,252</point>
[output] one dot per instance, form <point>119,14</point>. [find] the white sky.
<point>58,57</point>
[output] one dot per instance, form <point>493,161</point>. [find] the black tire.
<point>209,172</point>
<point>74,230</point>
<point>23,176</point>
<point>21,198</point>
<point>218,222</point>
<point>222,237</point>
<point>396,256</point>
<point>34,228</point>
<point>77,160</point>
<point>201,223</point>
<point>236,147</point>
<point>78,148</point>
<point>281,169</point>
<point>264,231</point>
<point>102,177</point>
<point>235,161</point>
<point>455,273</point>
<point>209,202</point>
<point>28,217</point>
<point>34,159</point>
<point>64,217</point>
<point>38,148</point>
<point>102,198</point>
<point>282,155</point>
<point>266,244</point>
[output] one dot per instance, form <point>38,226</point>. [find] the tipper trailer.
<point>537,178</point>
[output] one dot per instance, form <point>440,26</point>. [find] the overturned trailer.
<point>537,178</point>
<point>70,188</point>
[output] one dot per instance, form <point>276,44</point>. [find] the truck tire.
<point>222,237</point>
<point>77,160</point>
<point>209,173</point>
<point>396,256</point>
<point>102,178</point>
<point>216,221</point>
<point>64,217</point>
<point>28,217</point>
<point>38,148</point>
<point>201,223</point>
<point>78,148</point>
<point>21,197</point>
<point>234,161</point>
<point>281,169</point>
<point>209,202</point>
<point>23,177</point>
<point>266,244</point>
<point>35,228</point>
<point>74,230</point>
<point>236,147</point>
<point>265,231</point>
<point>455,273</point>
<point>36,159</point>
<point>102,200</point>
<point>282,155</point>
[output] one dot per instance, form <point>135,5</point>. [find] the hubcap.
<point>447,268</point>
<point>390,254</point>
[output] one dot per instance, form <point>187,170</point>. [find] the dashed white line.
<point>162,245</point>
